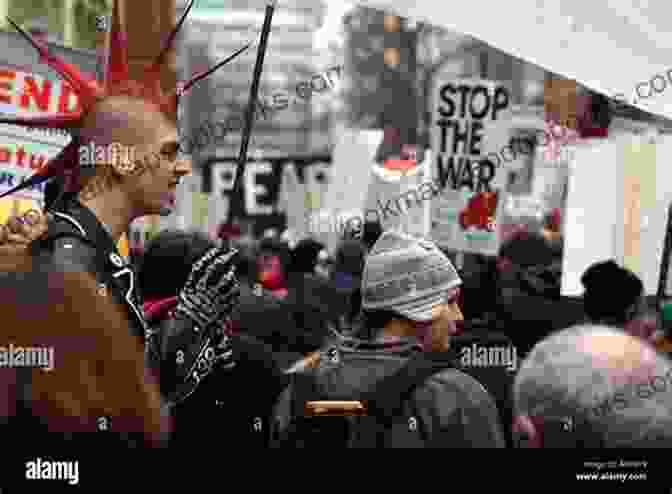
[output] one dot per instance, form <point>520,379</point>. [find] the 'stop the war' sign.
<point>464,114</point>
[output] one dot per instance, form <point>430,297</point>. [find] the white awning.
<point>609,46</point>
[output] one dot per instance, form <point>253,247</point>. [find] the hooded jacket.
<point>456,411</point>
<point>269,320</point>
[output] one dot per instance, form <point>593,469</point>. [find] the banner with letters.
<point>470,122</point>
<point>277,192</point>
<point>23,151</point>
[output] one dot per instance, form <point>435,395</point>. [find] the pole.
<point>102,27</point>
<point>665,261</point>
<point>254,90</point>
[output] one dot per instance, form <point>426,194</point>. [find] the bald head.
<point>128,121</point>
<point>136,156</point>
<point>599,375</point>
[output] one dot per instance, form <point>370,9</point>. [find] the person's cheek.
<point>453,312</point>
<point>453,318</point>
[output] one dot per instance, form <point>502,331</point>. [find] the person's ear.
<point>634,310</point>
<point>526,433</point>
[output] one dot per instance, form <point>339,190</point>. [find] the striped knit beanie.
<point>407,275</point>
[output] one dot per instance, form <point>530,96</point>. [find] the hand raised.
<point>20,231</point>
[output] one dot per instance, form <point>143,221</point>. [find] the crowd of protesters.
<point>387,343</point>
<point>309,327</point>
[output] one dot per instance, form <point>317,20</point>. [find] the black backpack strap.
<point>386,401</point>
<point>61,226</point>
<point>289,411</point>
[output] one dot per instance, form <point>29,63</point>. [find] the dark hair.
<point>479,292</point>
<point>372,232</point>
<point>527,249</point>
<point>304,256</point>
<point>246,268</point>
<point>52,190</point>
<point>350,257</point>
<point>167,262</point>
<point>273,247</point>
<point>374,321</point>
<point>611,292</point>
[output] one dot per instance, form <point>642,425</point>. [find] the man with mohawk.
<point>90,214</point>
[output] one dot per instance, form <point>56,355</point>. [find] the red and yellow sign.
<point>25,92</point>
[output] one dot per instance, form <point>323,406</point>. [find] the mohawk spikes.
<point>117,83</point>
<point>117,68</point>
<point>170,102</point>
<point>187,86</point>
<point>53,121</point>
<point>155,68</point>
<point>87,91</point>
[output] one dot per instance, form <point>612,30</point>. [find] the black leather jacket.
<point>77,239</point>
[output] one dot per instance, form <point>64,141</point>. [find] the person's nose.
<point>183,167</point>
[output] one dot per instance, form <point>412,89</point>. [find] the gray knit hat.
<point>407,275</point>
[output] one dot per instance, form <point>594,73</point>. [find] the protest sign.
<point>264,201</point>
<point>619,193</point>
<point>467,121</point>
<point>351,184</point>
<point>19,160</point>
<point>590,223</point>
<point>353,158</point>
<point>23,151</point>
<point>647,193</point>
<point>200,210</point>
<point>292,199</point>
<point>23,92</point>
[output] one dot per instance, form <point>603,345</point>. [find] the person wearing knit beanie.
<point>410,289</point>
<point>615,296</point>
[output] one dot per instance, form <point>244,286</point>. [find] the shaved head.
<point>615,382</point>
<point>128,121</point>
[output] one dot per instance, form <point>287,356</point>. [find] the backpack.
<point>385,417</point>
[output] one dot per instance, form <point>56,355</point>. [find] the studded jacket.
<point>77,238</point>
<point>179,353</point>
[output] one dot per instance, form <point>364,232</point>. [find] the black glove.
<point>211,289</point>
<point>205,303</point>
